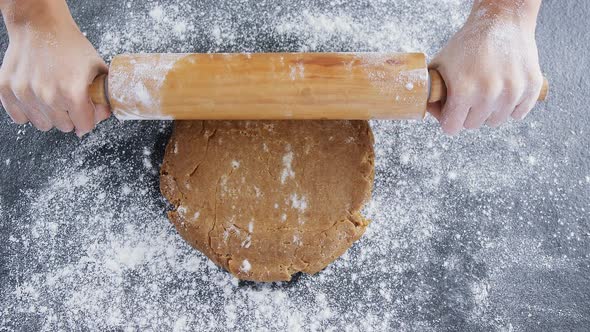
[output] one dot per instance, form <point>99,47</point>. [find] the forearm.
<point>41,14</point>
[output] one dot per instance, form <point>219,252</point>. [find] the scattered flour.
<point>287,171</point>
<point>298,202</point>
<point>92,248</point>
<point>246,266</point>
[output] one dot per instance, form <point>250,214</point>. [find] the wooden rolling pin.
<point>270,86</point>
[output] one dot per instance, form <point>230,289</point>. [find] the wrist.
<point>38,14</point>
<point>518,12</point>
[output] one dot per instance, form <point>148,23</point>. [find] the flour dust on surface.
<point>451,230</point>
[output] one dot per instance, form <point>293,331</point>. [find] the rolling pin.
<point>270,86</point>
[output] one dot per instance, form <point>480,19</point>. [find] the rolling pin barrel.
<point>98,90</point>
<point>270,86</point>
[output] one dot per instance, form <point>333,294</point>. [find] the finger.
<point>53,107</point>
<point>506,105</point>
<point>60,119</point>
<point>81,110</point>
<point>101,113</point>
<point>434,109</point>
<point>502,114</point>
<point>37,118</point>
<point>523,109</point>
<point>478,115</point>
<point>528,102</point>
<point>10,104</point>
<point>27,102</point>
<point>454,114</point>
<point>489,104</point>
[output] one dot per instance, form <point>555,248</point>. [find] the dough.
<point>267,199</point>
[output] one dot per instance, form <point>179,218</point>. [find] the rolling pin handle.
<point>438,88</point>
<point>98,90</point>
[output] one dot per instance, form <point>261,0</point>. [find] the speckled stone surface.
<point>485,231</point>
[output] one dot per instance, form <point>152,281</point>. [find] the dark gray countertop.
<point>484,231</point>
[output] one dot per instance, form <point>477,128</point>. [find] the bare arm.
<point>47,68</point>
<point>491,66</point>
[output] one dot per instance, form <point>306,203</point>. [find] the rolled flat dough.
<point>267,199</point>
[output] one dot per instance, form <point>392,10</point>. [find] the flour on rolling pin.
<point>132,91</point>
<point>269,86</point>
<point>398,85</point>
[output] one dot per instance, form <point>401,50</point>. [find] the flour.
<point>137,90</point>
<point>287,171</point>
<point>299,203</point>
<point>246,266</point>
<point>92,249</point>
<point>157,13</point>
<point>297,72</point>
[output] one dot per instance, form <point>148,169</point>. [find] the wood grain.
<point>269,86</point>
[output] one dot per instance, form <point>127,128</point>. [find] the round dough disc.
<point>267,199</point>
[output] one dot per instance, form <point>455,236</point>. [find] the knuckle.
<point>4,83</point>
<point>490,89</point>
<point>513,90</point>
<point>465,88</point>
<point>76,94</point>
<point>535,81</point>
<point>535,75</point>
<point>38,88</point>
<point>21,89</point>
<point>457,89</point>
<point>49,96</point>
<point>538,82</point>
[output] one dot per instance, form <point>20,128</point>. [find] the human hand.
<point>48,67</point>
<point>491,69</point>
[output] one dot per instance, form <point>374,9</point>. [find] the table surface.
<point>484,231</point>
